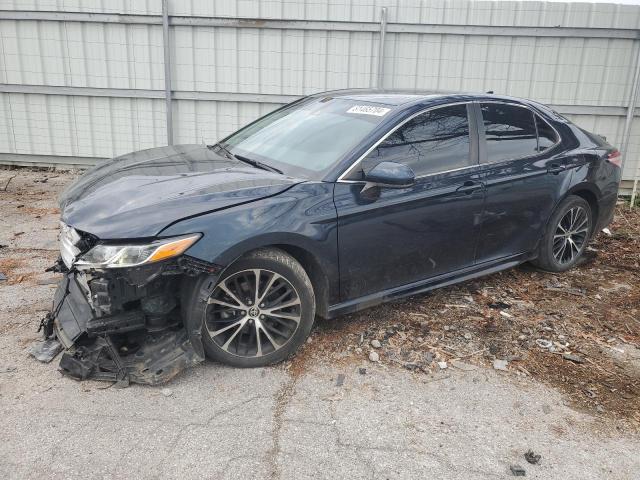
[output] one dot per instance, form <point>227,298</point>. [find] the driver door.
<point>393,237</point>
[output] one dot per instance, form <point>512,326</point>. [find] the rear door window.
<point>434,141</point>
<point>510,131</point>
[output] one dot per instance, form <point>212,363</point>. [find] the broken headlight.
<point>113,256</point>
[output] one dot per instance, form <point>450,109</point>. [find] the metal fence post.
<point>626,135</point>
<point>167,70</point>
<point>383,32</point>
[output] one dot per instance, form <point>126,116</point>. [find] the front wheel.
<point>260,311</point>
<point>566,236</point>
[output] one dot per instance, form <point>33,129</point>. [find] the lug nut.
<point>261,317</point>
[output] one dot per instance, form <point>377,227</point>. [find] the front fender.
<point>304,217</point>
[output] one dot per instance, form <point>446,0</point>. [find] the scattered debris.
<point>428,357</point>
<point>7,369</point>
<point>340,380</point>
<point>499,305</point>
<point>499,364</point>
<point>607,232</point>
<point>3,277</point>
<point>542,343</point>
<point>442,365</point>
<point>362,371</point>
<point>466,367</point>
<point>374,357</point>
<point>572,357</point>
<point>46,350</point>
<point>167,392</point>
<point>505,314</point>
<point>517,471</point>
<point>376,343</point>
<point>8,182</point>
<point>532,458</point>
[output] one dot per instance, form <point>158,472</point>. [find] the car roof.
<point>397,98</point>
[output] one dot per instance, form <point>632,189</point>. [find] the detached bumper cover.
<point>125,346</point>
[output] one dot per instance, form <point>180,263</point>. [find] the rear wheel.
<point>567,235</point>
<point>260,311</point>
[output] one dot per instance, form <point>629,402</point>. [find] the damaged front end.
<point>119,311</point>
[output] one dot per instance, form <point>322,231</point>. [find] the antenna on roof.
<point>490,91</point>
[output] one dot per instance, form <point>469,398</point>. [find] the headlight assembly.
<point>115,256</point>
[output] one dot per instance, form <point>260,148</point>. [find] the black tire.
<point>255,343</point>
<point>551,256</point>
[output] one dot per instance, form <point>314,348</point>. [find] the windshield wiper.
<point>258,164</point>
<point>253,163</point>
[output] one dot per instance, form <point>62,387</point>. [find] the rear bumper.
<point>607,209</point>
<point>132,345</point>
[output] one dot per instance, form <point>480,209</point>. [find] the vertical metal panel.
<point>80,126</point>
<point>166,50</point>
<point>207,121</point>
<point>288,61</point>
<point>82,54</point>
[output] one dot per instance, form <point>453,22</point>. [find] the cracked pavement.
<point>275,423</point>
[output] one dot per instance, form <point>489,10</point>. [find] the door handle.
<point>556,168</point>
<point>469,187</point>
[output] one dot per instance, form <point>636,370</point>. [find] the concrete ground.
<point>288,421</point>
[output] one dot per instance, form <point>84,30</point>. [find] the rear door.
<point>523,169</point>
<point>392,237</point>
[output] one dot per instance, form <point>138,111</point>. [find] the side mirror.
<point>391,175</point>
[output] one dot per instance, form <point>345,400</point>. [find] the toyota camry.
<point>331,204</point>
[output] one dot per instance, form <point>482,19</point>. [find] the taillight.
<point>615,158</point>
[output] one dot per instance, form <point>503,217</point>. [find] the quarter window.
<point>510,131</point>
<point>547,136</point>
<point>435,141</point>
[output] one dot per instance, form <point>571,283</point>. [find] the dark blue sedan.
<point>331,204</point>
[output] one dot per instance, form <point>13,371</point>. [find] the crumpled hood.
<point>139,194</point>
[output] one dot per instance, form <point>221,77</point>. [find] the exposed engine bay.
<point>126,324</point>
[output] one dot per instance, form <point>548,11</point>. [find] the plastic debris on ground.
<point>46,350</point>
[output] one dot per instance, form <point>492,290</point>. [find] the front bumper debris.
<point>126,325</point>
<point>158,358</point>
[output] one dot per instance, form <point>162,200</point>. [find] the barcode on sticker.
<point>368,110</point>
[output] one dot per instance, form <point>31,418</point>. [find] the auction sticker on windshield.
<point>368,110</point>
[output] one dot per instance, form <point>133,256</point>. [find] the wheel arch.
<point>591,194</point>
<point>302,250</point>
<point>317,275</point>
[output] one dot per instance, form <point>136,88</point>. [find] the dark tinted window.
<point>510,131</point>
<point>546,135</point>
<point>435,141</point>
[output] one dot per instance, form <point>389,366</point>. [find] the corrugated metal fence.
<point>83,80</point>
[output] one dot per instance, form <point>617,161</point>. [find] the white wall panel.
<point>80,126</point>
<point>245,59</point>
<point>210,121</point>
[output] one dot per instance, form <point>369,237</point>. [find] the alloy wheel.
<point>253,313</point>
<point>570,235</point>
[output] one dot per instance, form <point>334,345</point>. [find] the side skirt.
<point>423,286</point>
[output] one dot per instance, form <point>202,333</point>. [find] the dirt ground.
<point>576,334</point>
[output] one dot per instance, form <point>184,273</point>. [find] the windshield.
<point>307,138</point>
